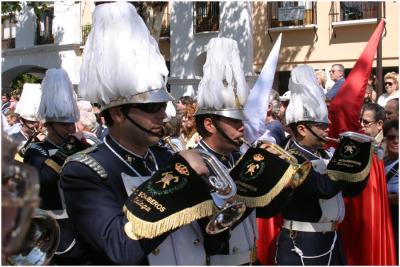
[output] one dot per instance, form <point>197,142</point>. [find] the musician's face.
<point>59,131</point>
<point>233,128</point>
<point>30,124</point>
<point>309,139</point>
<point>149,117</point>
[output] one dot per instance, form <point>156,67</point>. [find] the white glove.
<point>319,165</point>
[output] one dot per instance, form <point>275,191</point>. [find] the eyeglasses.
<point>321,125</point>
<point>366,123</point>
<point>388,83</point>
<point>392,137</point>
<point>150,107</point>
<point>332,71</point>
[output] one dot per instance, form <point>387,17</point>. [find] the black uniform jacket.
<point>95,196</point>
<point>304,204</point>
<point>36,155</point>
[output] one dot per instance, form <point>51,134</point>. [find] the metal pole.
<point>379,75</point>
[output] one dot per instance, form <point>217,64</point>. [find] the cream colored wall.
<point>300,47</point>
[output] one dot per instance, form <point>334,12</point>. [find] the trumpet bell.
<point>40,242</point>
<point>224,218</point>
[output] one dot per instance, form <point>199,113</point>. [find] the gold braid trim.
<point>137,228</point>
<point>262,201</point>
<point>19,158</point>
<point>351,177</point>
<point>53,165</point>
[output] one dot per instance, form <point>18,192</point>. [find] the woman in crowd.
<point>189,132</point>
<point>391,87</point>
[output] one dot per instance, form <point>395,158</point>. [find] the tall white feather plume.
<point>222,64</point>
<point>307,99</point>
<point>28,105</point>
<point>121,58</point>
<point>58,101</point>
<point>257,104</point>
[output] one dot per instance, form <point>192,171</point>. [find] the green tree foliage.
<point>18,83</point>
<point>12,7</point>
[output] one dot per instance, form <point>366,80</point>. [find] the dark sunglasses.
<point>388,83</point>
<point>322,125</point>
<point>392,137</point>
<point>365,122</point>
<point>150,107</point>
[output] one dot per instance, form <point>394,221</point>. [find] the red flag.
<point>268,230</point>
<point>344,109</point>
<point>367,229</point>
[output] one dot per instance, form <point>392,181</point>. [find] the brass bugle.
<point>331,139</point>
<point>243,141</point>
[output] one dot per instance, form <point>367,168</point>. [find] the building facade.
<point>318,33</point>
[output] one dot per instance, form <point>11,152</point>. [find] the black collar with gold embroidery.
<point>146,163</point>
<point>228,161</point>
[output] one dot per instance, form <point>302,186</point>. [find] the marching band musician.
<point>219,121</point>
<point>308,235</point>
<point>27,109</point>
<point>59,110</point>
<point>128,79</point>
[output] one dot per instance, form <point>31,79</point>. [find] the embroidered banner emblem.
<point>182,169</point>
<point>167,178</point>
<point>167,184</point>
<point>253,167</point>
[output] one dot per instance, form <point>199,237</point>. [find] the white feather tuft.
<point>121,58</point>
<point>222,64</point>
<point>307,99</point>
<point>170,110</point>
<point>58,101</point>
<point>28,105</point>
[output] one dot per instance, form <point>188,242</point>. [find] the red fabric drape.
<point>367,229</point>
<point>268,230</point>
<point>344,109</point>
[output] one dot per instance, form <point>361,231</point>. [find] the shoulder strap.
<point>84,158</point>
<point>38,147</point>
<point>392,171</point>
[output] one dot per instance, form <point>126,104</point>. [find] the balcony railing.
<point>281,14</point>
<point>8,43</point>
<point>85,32</point>
<point>44,37</point>
<point>206,16</point>
<point>348,11</point>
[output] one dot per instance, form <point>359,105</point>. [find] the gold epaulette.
<point>89,161</point>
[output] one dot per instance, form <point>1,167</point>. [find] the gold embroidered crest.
<point>349,149</point>
<point>166,179</point>
<point>182,169</point>
<point>258,157</point>
<point>251,168</point>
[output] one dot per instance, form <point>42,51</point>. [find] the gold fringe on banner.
<point>351,177</point>
<point>262,201</point>
<point>138,228</point>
